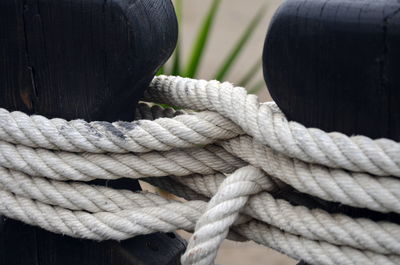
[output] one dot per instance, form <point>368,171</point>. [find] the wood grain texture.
<point>99,55</point>
<point>92,60</point>
<point>334,65</point>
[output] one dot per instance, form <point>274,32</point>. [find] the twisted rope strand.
<point>163,134</point>
<point>222,211</point>
<point>151,112</point>
<point>338,229</point>
<point>313,252</point>
<point>88,166</point>
<point>381,194</point>
<point>171,216</point>
<point>263,121</point>
<point>267,124</point>
<point>45,164</point>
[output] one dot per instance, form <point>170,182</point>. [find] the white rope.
<point>222,211</point>
<point>315,224</point>
<point>267,124</point>
<point>61,165</point>
<point>352,188</point>
<point>234,152</point>
<point>119,137</point>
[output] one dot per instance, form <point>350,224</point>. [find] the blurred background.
<point>223,39</point>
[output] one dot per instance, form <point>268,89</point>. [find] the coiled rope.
<point>231,157</point>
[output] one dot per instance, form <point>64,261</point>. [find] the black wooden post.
<point>90,60</point>
<point>334,65</point>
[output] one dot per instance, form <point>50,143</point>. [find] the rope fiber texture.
<point>236,162</point>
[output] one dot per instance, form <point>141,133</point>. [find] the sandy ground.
<point>234,253</point>
<point>232,20</point>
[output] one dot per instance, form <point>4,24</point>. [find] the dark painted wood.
<point>98,54</point>
<point>302,263</point>
<point>91,60</point>
<point>43,247</point>
<point>334,64</point>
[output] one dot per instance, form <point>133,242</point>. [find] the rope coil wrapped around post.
<point>230,150</point>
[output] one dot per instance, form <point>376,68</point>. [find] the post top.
<point>334,65</point>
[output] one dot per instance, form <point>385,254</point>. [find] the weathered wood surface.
<point>90,60</point>
<point>334,65</point>
<point>77,58</point>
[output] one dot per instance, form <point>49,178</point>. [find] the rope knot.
<point>228,149</point>
<point>222,212</point>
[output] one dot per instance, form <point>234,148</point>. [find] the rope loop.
<point>245,172</point>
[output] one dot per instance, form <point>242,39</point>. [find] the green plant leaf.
<point>161,71</point>
<point>201,41</point>
<point>250,74</point>
<point>238,48</point>
<point>257,87</point>
<point>176,65</point>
